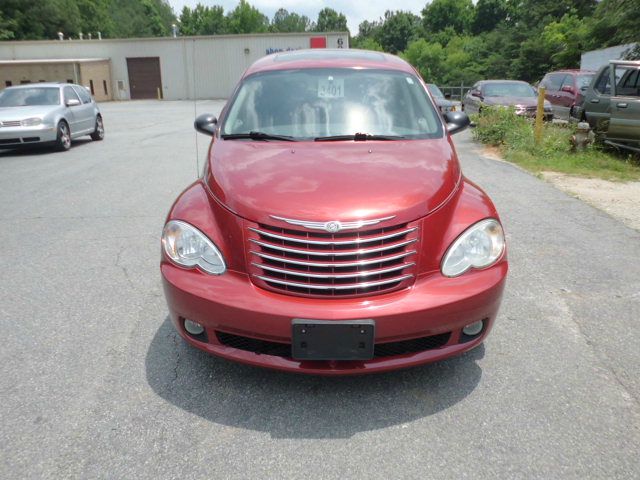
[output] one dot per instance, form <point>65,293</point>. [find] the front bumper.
<point>433,306</point>
<point>13,137</point>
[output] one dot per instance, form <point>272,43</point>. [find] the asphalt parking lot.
<point>96,384</point>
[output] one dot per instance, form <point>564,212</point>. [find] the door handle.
<point>622,105</point>
<point>595,100</point>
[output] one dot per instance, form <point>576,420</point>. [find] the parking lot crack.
<point>125,271</point>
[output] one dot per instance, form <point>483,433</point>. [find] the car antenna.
<point>195,97</point>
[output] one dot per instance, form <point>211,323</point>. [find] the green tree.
<point>366,43</point>
<point>396,30</point>
<point>368,29</point>
<point>565,40</point>
<point>462,61</point>
<point>488,14</point>
<point>247,19</point>
<point>428,58</point>
<point>331,21</point>
<point>615,22</point>
<point>440,14</point>
<point>283,21</point>
<point>7,27</point>
<point>203,20</point>
<point>533,15</point>
<point>34,19</point>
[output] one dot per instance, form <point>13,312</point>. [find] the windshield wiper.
<point>258,136</point>
<point>358,137</point>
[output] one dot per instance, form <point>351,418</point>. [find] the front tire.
<point>98,133</point>
<point>63,138</point>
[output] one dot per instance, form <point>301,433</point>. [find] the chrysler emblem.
<point>332,227</point>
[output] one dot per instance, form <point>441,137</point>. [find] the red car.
<point>332,231</point>
<point>564,89</point>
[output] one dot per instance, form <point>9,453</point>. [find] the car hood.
<point>324,181</point>
<point>512,101</point>
<point>443,102</point>
<point>20,113</point>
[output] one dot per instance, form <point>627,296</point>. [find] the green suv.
<point>612,104</point>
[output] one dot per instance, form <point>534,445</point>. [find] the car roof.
<point>41,84</point>
<point>485,82</point>
<point>329,58</point>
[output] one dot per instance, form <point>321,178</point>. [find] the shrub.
<point>513,134</point>
<point>495,124</point>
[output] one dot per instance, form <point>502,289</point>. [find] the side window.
<point>628,84</point>
<point>544,82</point>
<point>83,94</point>
<point>69,94</point>
<point>555,81</point>
<point>567,82</point>
<point>603,85</point>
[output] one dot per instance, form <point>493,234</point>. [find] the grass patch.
<point>513,135</point>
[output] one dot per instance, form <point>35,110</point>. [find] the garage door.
<point>144,77</point>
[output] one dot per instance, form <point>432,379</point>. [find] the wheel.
<point>63,138</point>
<point>98,133</point>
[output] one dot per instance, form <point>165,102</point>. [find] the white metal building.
<point>594,59</point>
<point>169,68</point>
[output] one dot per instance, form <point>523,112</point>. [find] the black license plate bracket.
<point>332,339</point>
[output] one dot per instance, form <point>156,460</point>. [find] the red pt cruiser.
<point>332,231</point>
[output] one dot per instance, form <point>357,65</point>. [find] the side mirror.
<point>568,89</point>
<point>73,102</point>
<point>206,123</point>
<point>475,93</point>
<point>456,121</point>
<point>447,96</point>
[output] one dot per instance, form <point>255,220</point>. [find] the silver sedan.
<point>47,114</point>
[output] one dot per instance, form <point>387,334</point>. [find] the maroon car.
<point>505,93</point>
<point>332,230</point>
<point>564,89</point>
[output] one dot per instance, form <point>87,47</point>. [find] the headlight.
<point>478,247</point>
<point>31,122</point>
<point>189,247</point>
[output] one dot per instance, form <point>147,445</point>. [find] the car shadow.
<point>298,406</point>
<point>40,150</point>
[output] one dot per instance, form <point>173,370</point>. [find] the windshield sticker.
<point>409,80</point>
<point>331,87</point>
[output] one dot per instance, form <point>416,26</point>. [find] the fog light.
<point>194,328</point>
<point>473,328</point>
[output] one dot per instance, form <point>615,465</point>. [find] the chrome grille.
<point>10,123</point>
<point>312,263</point>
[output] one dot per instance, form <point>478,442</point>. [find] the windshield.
<point>584,80</point>
<point>22,97</point>
<point>315,103</point>
<point>509,90</point>
<point>435,91</point>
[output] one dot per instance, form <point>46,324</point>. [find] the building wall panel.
<point>191,67</point>
<point>33,73</point>
<point>100,74</point>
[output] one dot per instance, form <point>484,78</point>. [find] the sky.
<point>355,11</point>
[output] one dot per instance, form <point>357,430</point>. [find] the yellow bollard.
<point>537,135</point>
<point>159,94</point>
